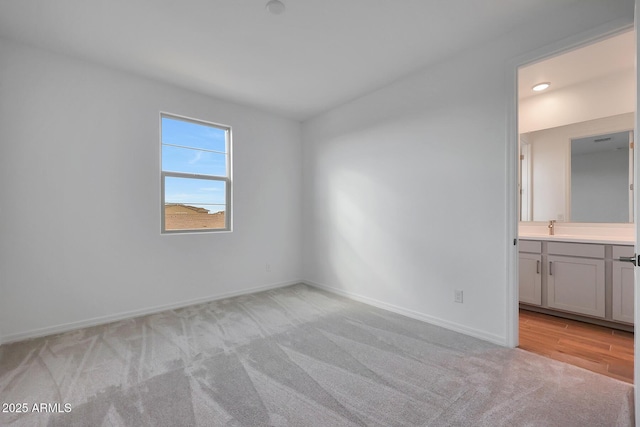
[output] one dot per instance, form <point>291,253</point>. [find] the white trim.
<point>585,38</point>
<point>525,202</point>
<point>511,208</point>
<point>636,236</point>
<point>192,120</point>
<point>102,320</point>
<point>632,172</point>
<point>476,333</point>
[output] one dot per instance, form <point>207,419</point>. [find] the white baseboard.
<point>66,327</point>
<point>476,333</point>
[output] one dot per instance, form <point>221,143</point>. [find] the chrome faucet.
<point>552,223</point>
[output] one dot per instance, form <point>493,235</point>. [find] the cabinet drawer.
<point>619,251</point>
<point>576,249</point>
<point>532,246</point>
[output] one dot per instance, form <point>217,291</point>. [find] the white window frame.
<point>226,179</point>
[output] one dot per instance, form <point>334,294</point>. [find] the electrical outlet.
<point>457,296</point>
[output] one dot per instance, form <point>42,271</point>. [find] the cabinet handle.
<point>550,270</point>
<point>537,267</point>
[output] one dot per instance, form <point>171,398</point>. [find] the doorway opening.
<point>575,204</point>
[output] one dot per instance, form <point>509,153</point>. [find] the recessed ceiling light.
<point>275,6</point>
<point>541,86</point>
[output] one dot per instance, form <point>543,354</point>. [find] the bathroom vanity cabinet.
<point>581,279</point>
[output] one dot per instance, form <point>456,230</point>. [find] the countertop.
<point>604,240</point>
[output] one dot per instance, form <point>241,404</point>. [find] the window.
<point>196,175</point>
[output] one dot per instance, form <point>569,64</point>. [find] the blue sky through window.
<point>190,147</point>
<point>195,135</point>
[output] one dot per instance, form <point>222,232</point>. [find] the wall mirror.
<point>601,185</point>
<point>582,172</point>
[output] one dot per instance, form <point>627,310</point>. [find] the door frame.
<point>524,175</point>
<point>601,32</point>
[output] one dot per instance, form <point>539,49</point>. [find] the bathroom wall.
<point>603,97</point>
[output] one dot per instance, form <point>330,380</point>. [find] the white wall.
<point>80,235</point>
<point>551,153</point>
<point>405,192</point>
<point>607,96</point>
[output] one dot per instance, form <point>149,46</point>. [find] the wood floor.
<point>596,348</point>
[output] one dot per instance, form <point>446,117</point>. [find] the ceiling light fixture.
<point>275,7</point>
<point>541,86</point>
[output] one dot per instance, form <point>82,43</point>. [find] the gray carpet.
<point>295,356</point>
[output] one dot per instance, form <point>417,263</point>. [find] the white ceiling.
<point>315,56</point>
<point>594,61</point>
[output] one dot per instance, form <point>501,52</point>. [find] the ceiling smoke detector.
<point>275,7</point>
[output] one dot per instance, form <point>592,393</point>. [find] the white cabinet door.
<point>576,284</point>
<point>623,295</point>
<point>530,282</point>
